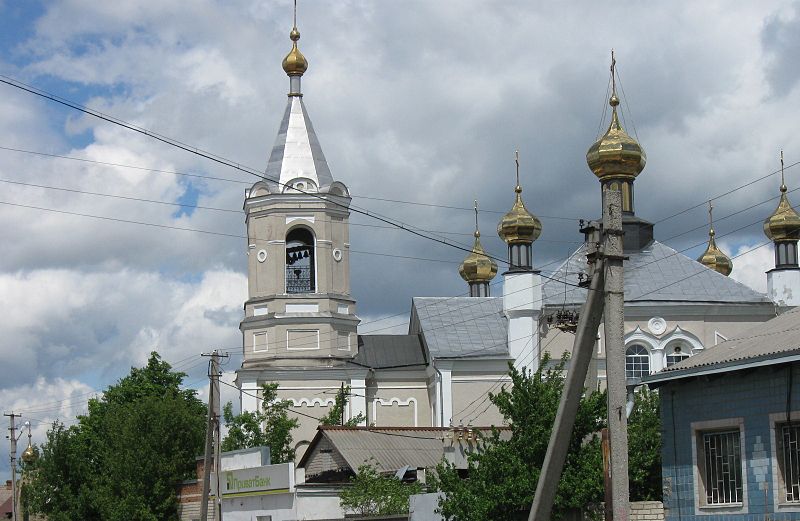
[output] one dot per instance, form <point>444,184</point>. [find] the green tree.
<point>502,476</point>
<point>372,494</point>
<point>644,447</point>
<point>123,459</point>
<point>269,426</point>
<point>335,415</point>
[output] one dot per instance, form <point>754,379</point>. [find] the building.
<point>301,325</point>
<point>731,427</point>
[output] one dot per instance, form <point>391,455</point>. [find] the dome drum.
<point>623,185</point>
<point>520,257</point>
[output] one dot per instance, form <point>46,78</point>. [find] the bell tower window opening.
<point>300,267</point>
<point>785,254</point>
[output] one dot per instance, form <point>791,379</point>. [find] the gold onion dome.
<point>784,223</point>
<point>713,257</point>
<point>295,64</point>
<point>519,226</point>
<point>616,154</point>
<point>29,456</point>
<point>477,267</point>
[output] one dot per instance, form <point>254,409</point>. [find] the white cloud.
<point>750,269</point>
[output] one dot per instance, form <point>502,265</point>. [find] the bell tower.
<point>299,314</point>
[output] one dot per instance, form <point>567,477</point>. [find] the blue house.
<point>731,427</point>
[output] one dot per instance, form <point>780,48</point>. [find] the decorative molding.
<point>657,325</point>
<point>391,401</point>
<point>291,218</point>
<point>261,255</point>
<point>312,402</point>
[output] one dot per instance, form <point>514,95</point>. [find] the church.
<point>300,326</point>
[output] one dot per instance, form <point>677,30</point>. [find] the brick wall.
<point>647,511</point>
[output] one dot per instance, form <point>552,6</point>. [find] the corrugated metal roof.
<point>459,327</point>
<point>386,448</point>
<point>385,351</point>
<point>655,274</point>
<point>775,340</point>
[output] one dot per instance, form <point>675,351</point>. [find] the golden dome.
<point>784,223</point>
<point>714,258</point>
<point>477,267</point>
<point>295,64</point>
<point>29,456</point>
<point>616,154</point>
<point>519,226</point>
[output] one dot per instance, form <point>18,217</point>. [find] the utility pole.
<point>605,298</point>
<point>614,328</point>
<point>582,352</point>
<point>13,454</point>
<point>212,451</point>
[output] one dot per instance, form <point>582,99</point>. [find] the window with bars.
<point>722,467</point>
<point>790,460</point>
<point>637,361</point>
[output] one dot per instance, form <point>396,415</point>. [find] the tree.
<point>123,459</point>
<point>336,415</point>
<point>644,447</point>
<point>269,426</point>
<point>371,494</point>
<point>502,476</point>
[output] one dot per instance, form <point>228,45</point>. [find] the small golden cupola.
<point>616,158</point>
<point>783,228</point>
<point>478,269</point>
<point>29,455</point>
<point>295,64</point>
<point>713,257</point>
<point>518,229</point>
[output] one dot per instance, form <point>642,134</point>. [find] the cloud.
<point>751,268</point>
<point>422,102</point>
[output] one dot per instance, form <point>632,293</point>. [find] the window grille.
<point>637,361</point>
<point>723,468</point>
<point>791,461</point>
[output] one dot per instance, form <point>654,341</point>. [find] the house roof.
<point>656,273</point>
<point>461,327</point>
<point>390,351</point>
<point>387,448</point>
<point>772,342</point>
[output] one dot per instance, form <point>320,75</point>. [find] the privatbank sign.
<point>256,481</point>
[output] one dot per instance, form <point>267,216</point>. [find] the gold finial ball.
<point>295,64</point>
<point>614,101</point>
<point>784,223</point>
<point>519,226</point>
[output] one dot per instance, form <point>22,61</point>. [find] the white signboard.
<point>256,481</point>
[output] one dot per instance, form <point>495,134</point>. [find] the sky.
<point>419,107</point>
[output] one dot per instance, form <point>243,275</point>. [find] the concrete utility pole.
<point>582,352</point>
<point>605,297</point>
<point>614,327</point>
<point>212,441</point>
<point>13,453</point>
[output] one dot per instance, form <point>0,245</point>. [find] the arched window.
<point>677,353</point>
<point>300,261</point>
<point>637,361</point>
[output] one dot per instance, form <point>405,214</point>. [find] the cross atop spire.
<point>614,101</point>
<point>783,181</point>
<point>710,218</point>
<point>477,231</point>
<point>518,188</point>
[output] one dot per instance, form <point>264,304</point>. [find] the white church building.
<point>300,327</point>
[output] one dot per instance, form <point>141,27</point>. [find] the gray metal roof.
<point>297,152</point>
<point>388,351</point>
<point>461,327</point>
<point>774,341</point>
<point>655,274</point>
<point>387,448</point>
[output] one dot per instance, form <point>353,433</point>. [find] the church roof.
<point>460,327</point>
<point>655,274</point>
<point>772,342</point>
<point>390,351</point>
<point>297,152</point>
